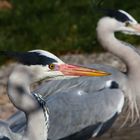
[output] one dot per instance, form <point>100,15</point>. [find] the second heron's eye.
<point>127,23</point>
<point>52,66</point>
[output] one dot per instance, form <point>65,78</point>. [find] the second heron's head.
<point>118,21</point>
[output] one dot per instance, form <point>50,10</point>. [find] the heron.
<point>33,105</point>
<point>83,108</point>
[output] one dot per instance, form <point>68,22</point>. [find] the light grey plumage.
<point>84,107</point>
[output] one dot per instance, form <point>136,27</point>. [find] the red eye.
<point>52,66</point>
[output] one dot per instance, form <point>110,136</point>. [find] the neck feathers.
<point>20,95</point>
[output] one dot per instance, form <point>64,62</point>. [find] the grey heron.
<point>33,105</point>
<point>81,108</point>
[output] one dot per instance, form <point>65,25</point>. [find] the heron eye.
<point>127,23</point>
<point>52,66</point>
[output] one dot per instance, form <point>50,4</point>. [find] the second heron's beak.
<point>132,29</point>
<point>74,70</point>
<point>136,27</point>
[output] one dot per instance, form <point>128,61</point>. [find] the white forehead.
<point>128,15</point>
<point>48,54</point>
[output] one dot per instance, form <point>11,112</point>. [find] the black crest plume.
<point>118,15</point>
<point>29,58</point>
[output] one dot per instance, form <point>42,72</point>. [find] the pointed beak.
<point>136,27</point>
<point>74,70</point>
<point>131,29</point>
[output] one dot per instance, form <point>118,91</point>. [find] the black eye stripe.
<point>30,58</point>
<point>34,58</point>
<point>117,15</point>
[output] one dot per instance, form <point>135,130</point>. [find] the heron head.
<point>44,64</point>
<point>119,21</point>
<point>52,66</point>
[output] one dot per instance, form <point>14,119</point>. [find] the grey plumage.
<point>68,108</point>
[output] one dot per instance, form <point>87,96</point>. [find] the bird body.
<point>78,105</point>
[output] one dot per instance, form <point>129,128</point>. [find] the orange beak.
<point>74,70</point>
